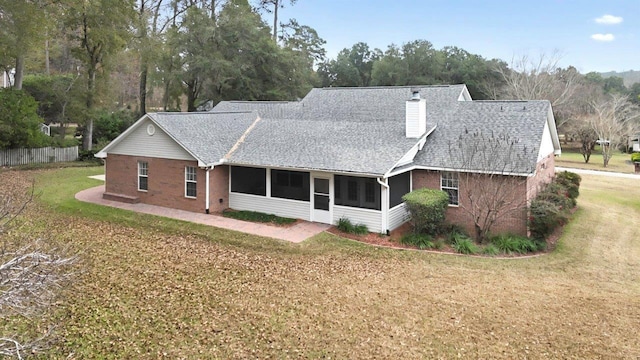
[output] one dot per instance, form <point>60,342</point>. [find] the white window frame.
<point>143,172</point>
<point>190,177</point>
<point>452,183</point>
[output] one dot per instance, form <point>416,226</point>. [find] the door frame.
<point>312,189</point>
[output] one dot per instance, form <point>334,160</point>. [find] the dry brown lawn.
<point>152,289</point>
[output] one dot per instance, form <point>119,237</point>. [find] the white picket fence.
<point>14,157</point>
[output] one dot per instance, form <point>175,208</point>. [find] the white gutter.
<point>420,167</point>
<point>385,204</point>
<point>206,205</point>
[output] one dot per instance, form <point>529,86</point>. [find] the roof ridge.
<point>387,87</point>
<point>203,112</point>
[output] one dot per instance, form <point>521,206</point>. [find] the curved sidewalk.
<point>296,233</point>
<point>599,173</point>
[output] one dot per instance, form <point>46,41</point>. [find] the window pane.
<point>191,189</point>
<point>290,185</point>
<point>248,180</point>
<point>348,192</point>
<point>321,186</point>
<point>143,183</point>
<point>143,168</point>
<point>321,202</point>
<point>398,186</point>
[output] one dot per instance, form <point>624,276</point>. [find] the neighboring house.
<point>339,152</point>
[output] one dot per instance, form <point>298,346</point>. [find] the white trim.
<point>416,147</point>
<point>456,188</point>
<point>384,203</point>
<point>187,181</point>
<point>138,175</point>
<point>359,209</point>
<point>433,168</point>
<point>207,202</point>
<point>303,169</point>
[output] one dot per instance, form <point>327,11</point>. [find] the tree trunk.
<point>276,5</point>
<point>144,70</point>
<point>17,80</point>
<point>87,137</point>
<point>46,57</point>
<point>191,97</point>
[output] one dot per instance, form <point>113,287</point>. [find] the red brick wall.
<point>166,183</point>
<point>514,222</point>
<point>545,172</point>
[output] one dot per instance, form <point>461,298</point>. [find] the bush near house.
<point>635,157</point>
<point>427,208</point>
<point>552,206</point>
<point>345,225</point>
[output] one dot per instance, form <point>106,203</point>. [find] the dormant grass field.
<point>149,287</point>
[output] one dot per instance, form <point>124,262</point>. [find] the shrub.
<point>508,243</point>
<point>572,177</point>
<point>421,241</point>
<point>491,250</point>
<point>544,217</point>
<point>427,208</point>
<point>346,226</point>
<point>456,236</point>
<point>635,157</point>
<point>557,195</point>
<point>465,246</point>
<point>108,125</point>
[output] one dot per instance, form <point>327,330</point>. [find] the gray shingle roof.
<point>361,130</point>
<point>208,136</point>
<point>521,122</point>
<point>340,129</point>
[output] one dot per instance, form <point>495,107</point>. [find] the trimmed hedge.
<point>551,207</point>
<point>635,157</point>
<point>427,208</point>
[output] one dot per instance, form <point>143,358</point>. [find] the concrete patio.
<point>296,233</point>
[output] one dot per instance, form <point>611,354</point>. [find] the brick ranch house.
<point>339,152</point>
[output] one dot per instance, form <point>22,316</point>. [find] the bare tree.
<point>541,78</point>
<point>490,188</point>
<point>613,121</point>
<point>31,271</point>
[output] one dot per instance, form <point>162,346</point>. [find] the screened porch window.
<point>398,186</point>
<point>357,192</point>
<point>249,180</point>
<point>290,185</point>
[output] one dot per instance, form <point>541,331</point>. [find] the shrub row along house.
<point>339,153</point>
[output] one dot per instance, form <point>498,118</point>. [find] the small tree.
<point>31,270</point>
<point>489,187</point>
<point>19,121</point>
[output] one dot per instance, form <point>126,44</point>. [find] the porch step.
<point>121,197</point>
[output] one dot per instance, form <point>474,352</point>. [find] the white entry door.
<point>321,200</point>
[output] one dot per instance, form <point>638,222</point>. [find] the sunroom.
<point>322,197</point>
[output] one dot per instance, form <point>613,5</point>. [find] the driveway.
<point>599,173</point>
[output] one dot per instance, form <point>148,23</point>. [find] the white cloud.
<point>609,19</point>
<point>603,37</point>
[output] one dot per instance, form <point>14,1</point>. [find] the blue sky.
<point>590,35</point>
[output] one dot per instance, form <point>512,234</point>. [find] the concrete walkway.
<point>296,233</point>
<point>599,173</point>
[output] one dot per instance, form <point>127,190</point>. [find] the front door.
<point>321,201</point>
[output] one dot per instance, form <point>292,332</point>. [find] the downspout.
<point>206,205</point>
<point>385,205</point>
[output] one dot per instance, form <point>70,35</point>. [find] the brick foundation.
<point>166,183</point>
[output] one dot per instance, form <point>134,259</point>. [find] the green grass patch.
<point>571,158</point>
<point>255,216</point>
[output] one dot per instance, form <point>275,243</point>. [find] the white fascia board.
<point>420,167</point>
<point>338,172</point>
<point>551,121</point>
<point>103,153</point>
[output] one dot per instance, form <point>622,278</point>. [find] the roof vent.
<point>415,95</point>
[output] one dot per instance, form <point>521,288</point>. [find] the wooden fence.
<point>14,157</point>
